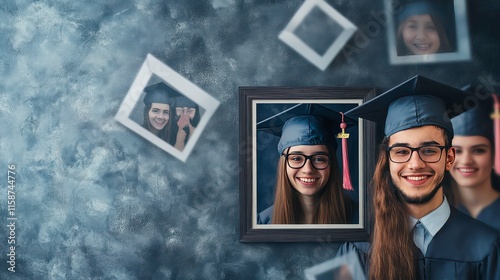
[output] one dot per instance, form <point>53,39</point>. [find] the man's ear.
<point>450,158</point>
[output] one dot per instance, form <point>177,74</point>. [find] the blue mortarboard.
<point>159,93</point>
<point>417,102</point>
<point>305,124</point>
<point>183,101</point>
<point>476,121</point>
<point>310,124</point>
<point>420,8</point>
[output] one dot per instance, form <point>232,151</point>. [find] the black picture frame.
<point>346,98</point>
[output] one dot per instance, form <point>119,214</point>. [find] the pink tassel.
<point>496,127</point>
<point>345,158</point>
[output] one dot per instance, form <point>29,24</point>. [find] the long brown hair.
<point>391,256</point>
<point>164,133</point>
<point>331,208</point>
<point>392,252</point>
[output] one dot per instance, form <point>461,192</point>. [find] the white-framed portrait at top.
<point>427,31</point>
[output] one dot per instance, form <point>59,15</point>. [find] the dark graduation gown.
<point>490,215</point>
<point>463,248</point>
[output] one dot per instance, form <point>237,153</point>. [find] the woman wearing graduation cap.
<point>308,184</point>
<point>420,29</point>
<point>187,116</point>
<point>474,180</point>
<point>417,234</point>
<point>157,113</point>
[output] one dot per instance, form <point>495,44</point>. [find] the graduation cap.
<point>310,124</point>
<point>476,121</point>
<point>159,93</point>
<point>183,101</point>
<point>482,120</point>
<point>421,8</point>
<point>417,102</point>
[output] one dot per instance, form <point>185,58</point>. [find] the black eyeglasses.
<point>296,161</point>
<point>428,154</point>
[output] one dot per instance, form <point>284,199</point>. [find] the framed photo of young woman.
<point>166,109</point>
<point>427,31</point>
<point>299,167</point>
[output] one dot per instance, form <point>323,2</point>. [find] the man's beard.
<point>417,200</point>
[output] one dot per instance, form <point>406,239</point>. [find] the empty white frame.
<point>335,19</point>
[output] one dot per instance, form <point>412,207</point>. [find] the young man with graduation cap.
<point>417,234</point>
<point>308,185</point>
<point>475,184</point>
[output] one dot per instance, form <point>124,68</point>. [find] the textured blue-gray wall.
<point>96,201</point>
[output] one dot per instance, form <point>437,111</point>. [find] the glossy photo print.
<point>300,150</point>
<point>317,32</point>
<point>427,31</point>
<point>166,109</point>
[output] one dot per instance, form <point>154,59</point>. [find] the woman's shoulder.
<point>265,216</point>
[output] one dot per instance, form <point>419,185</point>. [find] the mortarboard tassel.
<point>496,127</point>
<point>345,159</point>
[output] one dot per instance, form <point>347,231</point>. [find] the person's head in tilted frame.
<point>416,234</point>
<point>187,117</point>
<point>157,110</point>
<point>308,184</point>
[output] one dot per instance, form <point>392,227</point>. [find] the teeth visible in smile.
<point>416,178</point>
<point>467,170</point>
<point>307,180</point>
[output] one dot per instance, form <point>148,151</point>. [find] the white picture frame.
<point>154,67</point>
<point>461,43</point>
<point>289,37</point>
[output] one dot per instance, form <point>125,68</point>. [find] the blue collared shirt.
<point>431,223</point>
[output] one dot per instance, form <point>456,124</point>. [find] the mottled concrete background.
<point>96,201</point>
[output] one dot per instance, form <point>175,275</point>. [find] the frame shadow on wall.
<point>259,158</point>
<point>414,25</point>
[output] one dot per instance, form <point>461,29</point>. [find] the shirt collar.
<point>436,219</point>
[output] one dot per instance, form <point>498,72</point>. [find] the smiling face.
<point>158,115</point>
<point>308,180</point>
<point>474,161</point>
<point>420,35</point>
<point>416,180</point>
